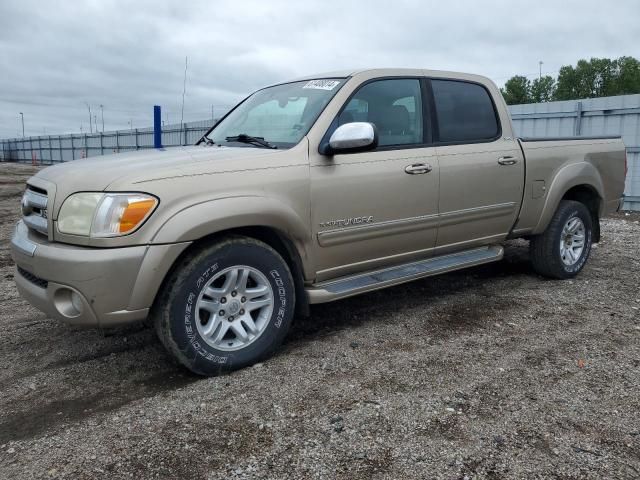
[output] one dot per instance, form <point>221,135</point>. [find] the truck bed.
<point>555,165</point>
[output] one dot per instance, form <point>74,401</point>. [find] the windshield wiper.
<point>244,138</point>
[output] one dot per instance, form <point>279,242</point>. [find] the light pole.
<point>540,63</point>
<point>102,114</point>
<point>90,125</point>
<point>22,118</point>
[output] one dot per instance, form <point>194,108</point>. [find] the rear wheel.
<point>226,306</point>
<point>564,247</point>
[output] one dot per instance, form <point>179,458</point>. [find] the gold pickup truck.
<point>307,191</point>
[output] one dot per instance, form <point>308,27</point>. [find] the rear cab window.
<point>465,112</point>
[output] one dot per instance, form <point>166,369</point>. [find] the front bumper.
<point>93,287</point>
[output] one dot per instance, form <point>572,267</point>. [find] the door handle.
<point>418,169</point>
<point>508,160</point>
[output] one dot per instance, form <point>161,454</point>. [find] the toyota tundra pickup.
<point>307,191</point>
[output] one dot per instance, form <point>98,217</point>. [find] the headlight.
<point>104,214</point>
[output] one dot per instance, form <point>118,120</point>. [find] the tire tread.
<point>542,247</point>
<point>161,312</point>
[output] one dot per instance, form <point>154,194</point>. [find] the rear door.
<point>481,173</point>
<point>376,208</point>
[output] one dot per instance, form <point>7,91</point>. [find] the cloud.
<point>128,56</point>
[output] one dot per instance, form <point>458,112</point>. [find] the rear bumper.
<point>93,287</point>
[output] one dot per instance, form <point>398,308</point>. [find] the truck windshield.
<point>278,116</point>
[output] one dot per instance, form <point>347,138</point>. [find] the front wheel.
<point>563,249</point>
<point>226,306</point>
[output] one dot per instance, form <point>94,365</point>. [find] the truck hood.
<point>98,173</point>
<point>129,171</point>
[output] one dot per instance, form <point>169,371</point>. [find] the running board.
<point>348,286</point>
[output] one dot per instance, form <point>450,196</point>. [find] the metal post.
<point>540,76</point>
<point>60,147</point>
<point>578,124</point>
<point>86,146</point>
<point>137,146</point>
<point>101,144</point>
<point>157,127</point>
<point>73,149</point>
<point>117,141</point>
<point>90,126</point>
<point>102,114</point>
<point>184,127</point>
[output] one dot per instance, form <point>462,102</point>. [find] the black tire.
<point>174,312</point>
<point>545,248</point>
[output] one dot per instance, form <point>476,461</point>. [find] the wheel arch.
<point>269,235</point>
<point>580,182</point>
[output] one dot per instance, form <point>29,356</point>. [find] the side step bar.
<point>365,282</point>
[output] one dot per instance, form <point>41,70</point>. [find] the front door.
<point>372,209</point>
<point>481,173</point>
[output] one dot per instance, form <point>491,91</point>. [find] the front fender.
<point>213,216</point>
<point>573,175</point>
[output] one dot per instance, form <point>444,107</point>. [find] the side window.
<point>465,112</point>
<point>394,106</point>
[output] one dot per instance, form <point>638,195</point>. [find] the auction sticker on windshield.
<point>322,84</point>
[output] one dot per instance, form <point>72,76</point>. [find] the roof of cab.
<point>391,72</point>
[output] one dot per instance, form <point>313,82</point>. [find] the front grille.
<point>40,282</point>
<point>34,209</point>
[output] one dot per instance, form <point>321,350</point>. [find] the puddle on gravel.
<point>44,417</point>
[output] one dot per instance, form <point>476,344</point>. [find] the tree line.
<point>598,77</point>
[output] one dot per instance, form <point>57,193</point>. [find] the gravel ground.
<point>492,372</point>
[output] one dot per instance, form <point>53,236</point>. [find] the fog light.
<point>68,303</point>
<point>76,301</point>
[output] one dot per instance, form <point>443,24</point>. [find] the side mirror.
<point>353,137</point>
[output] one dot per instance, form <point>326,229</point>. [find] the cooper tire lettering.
<point>176,318</point>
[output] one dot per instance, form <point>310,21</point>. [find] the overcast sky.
<point>55,56</point>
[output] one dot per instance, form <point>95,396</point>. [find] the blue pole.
<point>157,127</point>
